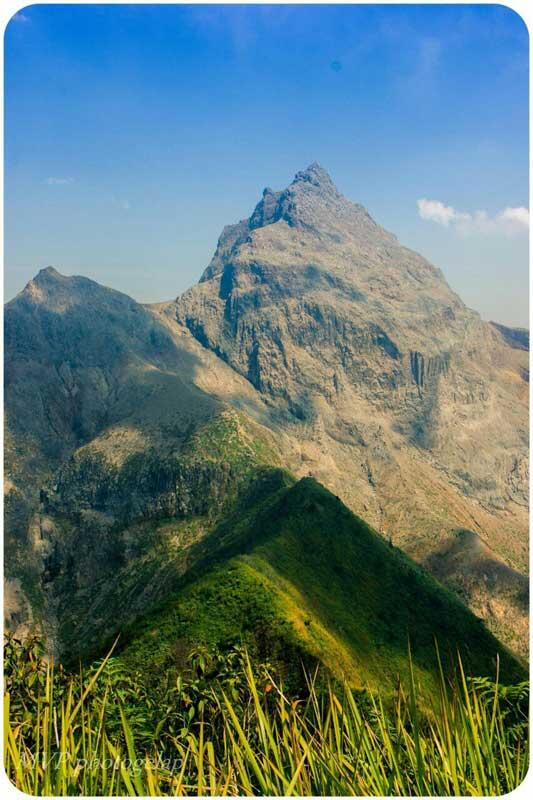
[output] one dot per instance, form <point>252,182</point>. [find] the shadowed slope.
<point>301,575</point>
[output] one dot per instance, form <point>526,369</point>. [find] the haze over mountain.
<point>314,344</point>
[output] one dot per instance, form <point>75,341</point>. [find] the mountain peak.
<point>37,290</point>
<point>47,274</point>
<point>311,203</point>
<point>316,175</point>
<point>57,292</point>
<point>302,202</point>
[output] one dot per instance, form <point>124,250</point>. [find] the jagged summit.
<point>48,281</point>
<point>311,205</point>
<point>304,202</point>
<point>317,176</point>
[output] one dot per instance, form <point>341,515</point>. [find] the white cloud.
<point>435,211</point>
<point>20,17</point>
<point>518,216</point>
<point>59,181</point>
<point>509,222</point>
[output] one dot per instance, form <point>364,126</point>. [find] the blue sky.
<point>135,133</point>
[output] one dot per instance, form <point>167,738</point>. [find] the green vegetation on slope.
<point>299,575</point>
<point>124,530</point>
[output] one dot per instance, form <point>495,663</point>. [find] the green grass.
<point>233,438</point>
<point>298,577</point>
<point>228,727</point>
<point>138,555</point>
<point>231,606</point>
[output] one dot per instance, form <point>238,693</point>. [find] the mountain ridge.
<point>339,593</point>
<point>348,357</point>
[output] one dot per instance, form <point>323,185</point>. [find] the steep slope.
<point>300,577</point>
<point>106,426</point>
<point>77,359</point>
<point>393,393</point>
<point>485,583</point>
<point>84,349</point>
<point>120,536</point>
<point>515,337</point>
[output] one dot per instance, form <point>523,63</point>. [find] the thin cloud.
<point>59,181</point>
<point>519,215</point>
<point>509,222</point>
<point>20,17</point>
<point>436,211</point>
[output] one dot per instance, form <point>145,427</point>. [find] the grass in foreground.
<point>228,728</point>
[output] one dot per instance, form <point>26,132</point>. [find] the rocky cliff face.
<point>313,341</point>
<point>398,396</point>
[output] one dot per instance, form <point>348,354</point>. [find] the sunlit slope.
<point>301,575</point>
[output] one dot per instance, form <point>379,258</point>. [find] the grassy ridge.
<point>134,524</point>
<point>234,730</point>
<point>299,577</point>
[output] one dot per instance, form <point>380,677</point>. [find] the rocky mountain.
<point>314,343</point>
<point>105,426</point>
<point>395,394</point>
